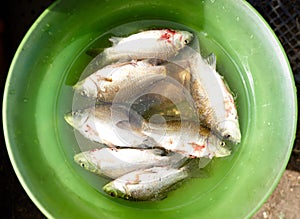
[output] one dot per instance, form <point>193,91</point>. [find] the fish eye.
<point>84,93</point>
<point>113,194</point>
<point>82,164</point>
<point>74,113</point>
<point>186,42</point>
<point>222,144</point>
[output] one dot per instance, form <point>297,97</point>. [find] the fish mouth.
<point>110,191</point>
<point>78,158</point>
<point>223,149</point>
<point>113,192</point>
<point>223,152</point>
<point>83,160</point>
<point>69,119</point>
<point>229,131</point>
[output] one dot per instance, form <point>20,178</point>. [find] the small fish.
<point>213,99</point>
<point>186,137</point>
<point>98,124</point>
<point>123,78</point>
<point>147,184</point>
<point>114,163</point>
<point>157,43</point>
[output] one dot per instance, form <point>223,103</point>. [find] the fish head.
<point>77,118</point>
<point>85,162</point>
<point>218,147</point>
<point>229,130</point>
<point>182,38</point>
<point>111,190</point>
<point>86,88</point>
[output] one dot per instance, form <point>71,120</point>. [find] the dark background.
<point>16,17</point>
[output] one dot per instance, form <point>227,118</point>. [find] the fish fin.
<point>124,124</point>
<point>160,151</point>
<point>160,196</point>
<point>195,167</point>
<point>177,160</point>
<point>211,60</point>
<point>131,119</point>
<point>165,192</point>
<point>149,142</point>
<point>115,40</point>
<point>155,61</point>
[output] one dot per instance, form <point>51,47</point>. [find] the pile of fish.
<point>159,107</point>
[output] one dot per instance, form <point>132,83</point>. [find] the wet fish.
<point>147,184</point>
<point>122,78</point>
<point>211,95</point>
<point>213,99</point>
<point>157,43</point>
<point>186,137</point>
<point>98,124</point>
<point>114,163</point>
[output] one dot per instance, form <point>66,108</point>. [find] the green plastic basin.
<point>51,58</point>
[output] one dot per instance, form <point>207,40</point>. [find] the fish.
<point>98,124</point>
<point>187,137</point>
<point>120,78</point>
<point>146,184</point>
<point>116,125</point>
<point>213,99</point>
<point>116,162</point>
<point>148,44</point>
<point>211,96</point>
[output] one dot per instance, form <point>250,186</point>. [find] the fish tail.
<point>149,143</point>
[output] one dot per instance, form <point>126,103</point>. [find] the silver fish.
<point>212,97</point>
<point>158,44</point>
<point>186,137</point>
<point>114,163</point>
<point>214,101</point>
<point>147,184</point>
<point>98,124</point>
<point>107,82</point>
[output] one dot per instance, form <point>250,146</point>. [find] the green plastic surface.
<point>51,58</point>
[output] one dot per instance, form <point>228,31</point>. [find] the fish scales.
<point>116,162</point>
<point>147,184</point>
